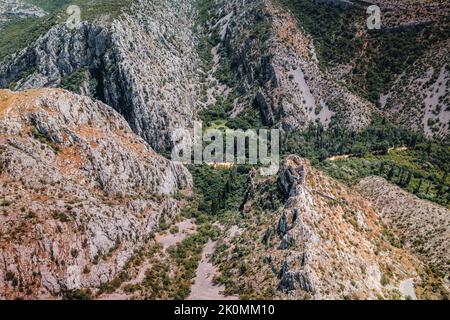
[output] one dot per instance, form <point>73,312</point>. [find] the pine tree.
<point>381,169</point>
<point>428,188</point>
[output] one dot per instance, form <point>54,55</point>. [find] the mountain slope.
<point>423,226</point>
<point>80,193</point>
<point>394,67</point>
<point>143,63</point>
<point>324,242</point>
<point>88,200</point>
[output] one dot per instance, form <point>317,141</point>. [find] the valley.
<point>93,207</point>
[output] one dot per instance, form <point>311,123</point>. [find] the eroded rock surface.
<point>80,192</point>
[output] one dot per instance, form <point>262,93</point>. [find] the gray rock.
<point>82,186</point>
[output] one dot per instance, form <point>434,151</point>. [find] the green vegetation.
<point>172,279</point>
<point>20,33</point>
<point>218,190</point>
<point>204,10</point>
<point>219,111</point>
<point>218,114</point>
<point>318,143</point>
<point>34,132</point>
<point>50,5</point>
<point>333,29</point>
<point>405,158</point>
<point>206,42</point>
<point>79,294</point>
<point>414,170</point>
<point>378,55</point>
<point>60,216</point>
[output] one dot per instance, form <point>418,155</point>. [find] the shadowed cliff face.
<point>144,64</point>
<point>80,192</point>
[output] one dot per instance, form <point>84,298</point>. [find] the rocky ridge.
<point>422,226</point>
<point>324,242</point>
<point>419,97</point>
<point>144,64</point>
<point>80,193</point>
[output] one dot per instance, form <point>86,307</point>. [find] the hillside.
<point>422,226</point>
<point>402,68</point>
<point>93,207</point>
<point>142,62</point>
<point>80,192</point>
<point>324,241</point>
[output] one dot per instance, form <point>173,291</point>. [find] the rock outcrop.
<point>80,193</point>
<point>277,70</point>
<point>144,64</point>
<point>329,242</point>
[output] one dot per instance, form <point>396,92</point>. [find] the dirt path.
<point>204,288</point>
<point>407,288</point>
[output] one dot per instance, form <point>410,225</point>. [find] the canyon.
<point>92,206</point>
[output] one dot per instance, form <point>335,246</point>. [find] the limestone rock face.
<point>80,192</point>
<point>278,71</point>
<point>144,64</point>
<point>55,55</point>
<point>422,225</point>
<point>325,242</point>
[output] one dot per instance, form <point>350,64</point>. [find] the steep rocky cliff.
<point>80,193</point>
<point>324,242</point>
<point>143,63</point>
